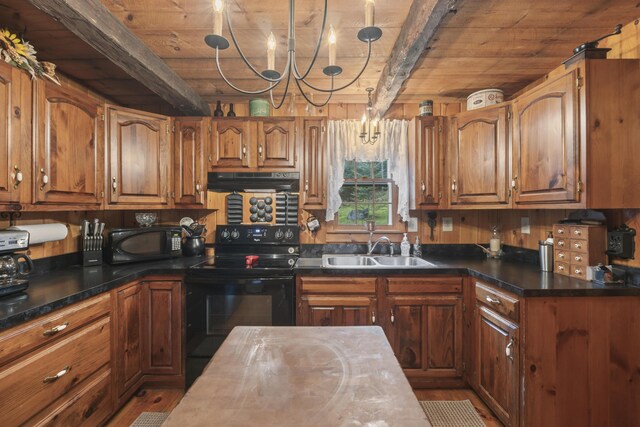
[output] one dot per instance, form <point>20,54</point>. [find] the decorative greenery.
<point>21,54</point>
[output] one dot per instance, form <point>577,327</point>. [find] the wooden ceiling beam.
<point>93,23</point>
<point>422,22</point>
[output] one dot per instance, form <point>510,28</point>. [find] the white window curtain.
<point>345,144</point>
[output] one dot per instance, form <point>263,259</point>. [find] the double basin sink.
<point>373,262</point>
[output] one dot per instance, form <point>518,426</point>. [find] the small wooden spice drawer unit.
<point>577,247</point>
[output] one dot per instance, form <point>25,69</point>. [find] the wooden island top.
<point>301,376</point>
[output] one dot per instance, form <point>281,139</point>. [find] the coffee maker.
<point>14,267</point>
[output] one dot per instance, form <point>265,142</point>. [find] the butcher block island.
<point>293,376</point>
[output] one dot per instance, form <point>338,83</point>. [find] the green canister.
<point>259,107</point>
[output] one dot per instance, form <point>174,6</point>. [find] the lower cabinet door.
<point>129,319</point>
<point>497,361</point>
<point>337,311</point>
<point>163,330</point>
<point>426,336</point>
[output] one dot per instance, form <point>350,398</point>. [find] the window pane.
<point>349,169</point>
<point>381,214</point>
<point>382,193</point>
<point>364,169</point>
<point>346,214</point>
<point>348,192</point>
<point>381,169</point>
<point>365,193</point>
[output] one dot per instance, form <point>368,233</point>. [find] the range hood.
<point>254,182</point>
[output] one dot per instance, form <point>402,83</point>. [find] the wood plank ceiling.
<point>488,43</point>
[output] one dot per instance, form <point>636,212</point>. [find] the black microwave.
<point>143,244</point>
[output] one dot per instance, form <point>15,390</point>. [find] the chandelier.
<point>369,34</point>
<point>369,129</point>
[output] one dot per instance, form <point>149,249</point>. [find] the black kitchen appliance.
<point>253,182</point>
<point>621,242</point>
<point>250,284</point>
<point>143,244</point>
<point>13,272</point>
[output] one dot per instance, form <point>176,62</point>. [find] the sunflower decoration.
<point>21,54</point>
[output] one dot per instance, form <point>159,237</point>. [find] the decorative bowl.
<point>146,219</point>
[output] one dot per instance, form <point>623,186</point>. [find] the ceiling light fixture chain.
<point>368,34</point>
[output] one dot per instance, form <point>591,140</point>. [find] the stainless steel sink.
<point>372,262</point>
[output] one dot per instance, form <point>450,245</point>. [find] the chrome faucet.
<point>371,246</point>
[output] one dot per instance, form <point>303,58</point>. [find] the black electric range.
<point>250,284</point>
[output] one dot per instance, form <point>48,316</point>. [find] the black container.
<point>193,246</point>
<point>218,111</point>
<point>231,113</point>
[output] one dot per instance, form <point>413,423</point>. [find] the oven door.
<point>216,305</point>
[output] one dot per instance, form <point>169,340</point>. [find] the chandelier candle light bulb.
<point>369,13</point>
<point>271,52</point>
<point>217,17</point>
<point>332,46</point>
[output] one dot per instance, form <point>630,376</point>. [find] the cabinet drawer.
<point>579,232</point>
<point>90,407</point>
<point>560,231</point>
<point>578,258</point>
<point>562,255</point>
<point>36,381</point>
<point>499,301</point>
<point>19,340</point>
<point>429,285</point>
<point>579,271</point>
<point>562,268</point>
<point>579,246</point>
<point>338,285</point>
<point>563,243</point>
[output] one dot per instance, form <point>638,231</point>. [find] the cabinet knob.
<point>57,376</point>
<point>508,351</point>
<point>577,232</point>
<point>454,186</point>
<point>578,271</point>
<point>45,179</point>
<point>514,183</point>
<point>560,255</point>
<point>244,151</point>
<point>560,231</point>
<point>578,258</point>
<point>560,242</point>
<point>198,185</point>
<point>393,319</point>
<point>114,183</point>
<point>561,267</point>
<point>578,245</point>
<point>423,187</point>
<point>373,318</point>
<point>260,150</point>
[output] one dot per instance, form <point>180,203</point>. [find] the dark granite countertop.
<point>58,288</point>
<point>520,278</point>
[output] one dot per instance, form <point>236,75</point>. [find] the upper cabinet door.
<point>314,147</point>
<point>230,144</point>
<point>188,160</point>
<point>68,148</point>
<point>546,142</point>
<point>138,157</point>
<point>479,158</point>
<point>8,153</point>
<point>427,140</point>
<point>276,143</point>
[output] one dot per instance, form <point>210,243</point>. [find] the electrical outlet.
<point>525,227</point>
<point>447,223</point>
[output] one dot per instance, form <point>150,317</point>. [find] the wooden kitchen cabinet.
<point>276,143</point>
<point>15,123</point>
<point>162,344</point>
<point>314,164</point>
<point>231,144</point>
<point>189,156</point>
<point>478,158</point>
<point>341,310</point>
<point>426,139</point>
<point>129,309</point>
<point>139,158</point>
<point>68,147</point>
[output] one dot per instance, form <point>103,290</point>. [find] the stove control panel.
<point>257,234</point>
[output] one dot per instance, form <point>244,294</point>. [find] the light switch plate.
<point>447,223</point>
<point>525,227</point>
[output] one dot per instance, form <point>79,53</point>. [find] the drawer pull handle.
<point>561,243</point>
<point>578,258</point>
<point>393,319</point>
<point>560,267</point>
<point>493,300</point>
<point>57,376</point>
<point>55,329</point>
<point>560,230</point>
<point>578,271</point>
<point>577,232</point>
<point>578,245</point>
<point>560,255</point>
<point>508,350</point>
<point>423,187</point>
<point>373,318</point>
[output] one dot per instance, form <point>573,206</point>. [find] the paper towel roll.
<point>40,233</point>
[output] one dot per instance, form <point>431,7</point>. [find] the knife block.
<point>91,258</point>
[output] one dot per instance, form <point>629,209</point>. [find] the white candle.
<point>217,17</point>
<point>332,46</point>
<point>271,52</point>
<point>362,127</point>
<point>369,13</point>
